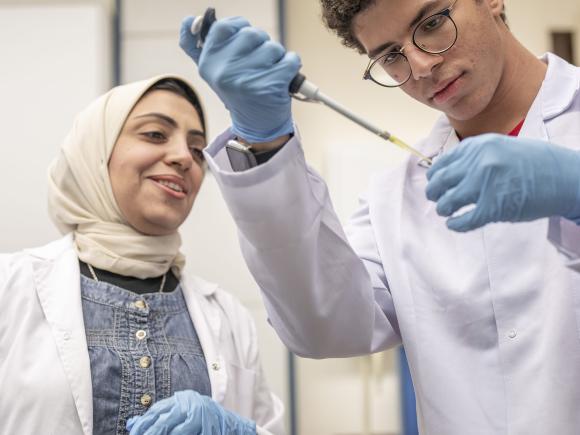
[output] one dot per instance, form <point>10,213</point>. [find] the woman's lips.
<point>169,191</point>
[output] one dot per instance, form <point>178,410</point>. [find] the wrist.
<point>573,159</point>
<point>260,147</point>
<point>262,137</point>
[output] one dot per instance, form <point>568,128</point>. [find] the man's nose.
<point>422,63</point>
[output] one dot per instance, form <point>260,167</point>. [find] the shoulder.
<point>11,263</point>
<point>212,295</point>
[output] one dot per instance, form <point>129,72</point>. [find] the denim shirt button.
<point>144,362</point>
<point>140,304</point>
<point>146,399</point>
<point>140,334</point>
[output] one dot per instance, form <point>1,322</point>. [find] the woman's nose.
<point>179,154</point>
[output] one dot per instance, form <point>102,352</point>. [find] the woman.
<point>108,323</point>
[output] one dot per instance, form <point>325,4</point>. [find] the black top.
<point>135,285</point>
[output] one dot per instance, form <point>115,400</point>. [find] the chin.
<point>159,225</point>
<point>465,110</point>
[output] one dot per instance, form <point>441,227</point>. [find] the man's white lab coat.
<point>490,319</point>
<point>45,375</point>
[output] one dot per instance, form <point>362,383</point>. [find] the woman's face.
<point>156,167</point>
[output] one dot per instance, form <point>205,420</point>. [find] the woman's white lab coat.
<point>490,319</point>
<point>45,376</point>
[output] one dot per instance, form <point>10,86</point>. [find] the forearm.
<point>296,249</point>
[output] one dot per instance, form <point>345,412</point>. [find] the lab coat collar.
<point>557,93</point>
<point>53,250</point>
<point>194,283</point>
<point>559,88</point>
<point>53,265</point>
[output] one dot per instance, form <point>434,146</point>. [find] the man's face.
<point>460,82</point>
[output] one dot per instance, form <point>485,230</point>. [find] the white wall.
<point>54,61</point>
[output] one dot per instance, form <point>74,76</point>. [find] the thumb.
<point>131,422</point>
<point>188,41</point>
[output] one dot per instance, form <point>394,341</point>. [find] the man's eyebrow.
<point>426,8</point>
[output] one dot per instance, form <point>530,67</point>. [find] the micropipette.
<point>303,90</point>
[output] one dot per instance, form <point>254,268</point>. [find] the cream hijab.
<point>80,195</point>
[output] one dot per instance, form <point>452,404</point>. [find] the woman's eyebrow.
<point>160,116</point>
<point>195,132</point>
<point>170,121</point>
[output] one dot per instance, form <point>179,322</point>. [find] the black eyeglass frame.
<point>446,13</point>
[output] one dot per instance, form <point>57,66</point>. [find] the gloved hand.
<point>249,72</point>
<point>508,179</point>
<point>189,413</point>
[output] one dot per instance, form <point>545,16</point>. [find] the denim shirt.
<point>142,349</point>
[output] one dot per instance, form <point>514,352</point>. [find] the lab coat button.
<point>512,333</point>
<point>215,366</point>
<point>146,400</point>
<point>144,362</point>
<point>140,334</point>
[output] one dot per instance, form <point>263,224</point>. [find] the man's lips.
<point>445,90</point>
<point>441,87</point>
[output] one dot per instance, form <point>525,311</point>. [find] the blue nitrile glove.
<point>508,179</point>
<point>249,72</point>
<point>189,413</point>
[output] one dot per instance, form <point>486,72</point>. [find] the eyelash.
<point>197,154</point>
<point>158,137</point>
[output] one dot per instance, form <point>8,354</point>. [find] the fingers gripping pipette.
<point>303,90</point>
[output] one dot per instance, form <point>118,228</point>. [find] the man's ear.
<point>496,7</point>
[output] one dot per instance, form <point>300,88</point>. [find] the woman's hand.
<point>188,412</point>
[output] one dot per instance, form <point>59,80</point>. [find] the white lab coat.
<point>490,319</point>
<point>45,375</point>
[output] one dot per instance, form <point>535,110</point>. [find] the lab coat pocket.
<point>240,390</point>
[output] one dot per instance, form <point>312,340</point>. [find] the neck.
<point>518,87</point>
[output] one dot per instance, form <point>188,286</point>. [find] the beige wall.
<point>332,393</point>
<point>345,154</point>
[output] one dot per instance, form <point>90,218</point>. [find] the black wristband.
<point>264,156</point>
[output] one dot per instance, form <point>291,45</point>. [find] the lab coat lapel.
<point>57,282</point>
<point>387,197</point>
<point>207,322</point>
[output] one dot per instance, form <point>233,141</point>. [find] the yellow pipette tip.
<point>409,148</point>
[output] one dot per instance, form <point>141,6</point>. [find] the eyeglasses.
<point>434,35</point>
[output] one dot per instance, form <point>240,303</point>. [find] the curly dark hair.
<point>338,16</point>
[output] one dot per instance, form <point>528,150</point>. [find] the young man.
<point>489,318</point>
